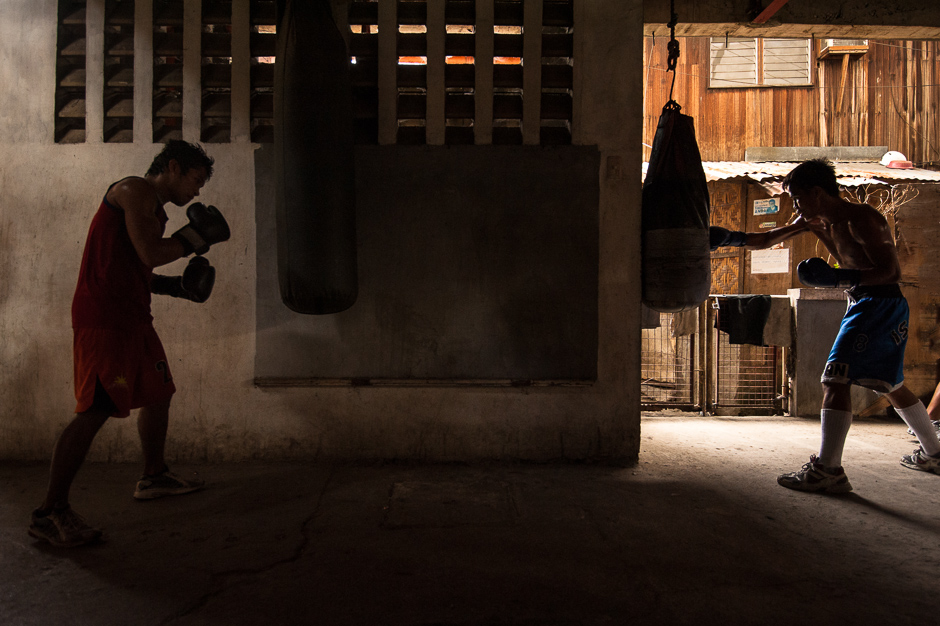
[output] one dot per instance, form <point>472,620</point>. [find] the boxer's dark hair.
<point>188,155</point>
<point>813,173</point>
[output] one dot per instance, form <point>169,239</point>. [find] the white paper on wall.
<point>774,261</point>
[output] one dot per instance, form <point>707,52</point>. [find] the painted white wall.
<point>49,193</point>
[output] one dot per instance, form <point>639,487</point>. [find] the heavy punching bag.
<point>676,254</point>
<point>313,139</point>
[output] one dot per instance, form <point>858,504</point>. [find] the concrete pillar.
<point>192,70</point>
<point>483,74</point>
<point>532,73</point>
<point>94,72</point>
<point>388,72</point>
<point>436,36</point>
<point>241,72</point>
<point>143,71</point>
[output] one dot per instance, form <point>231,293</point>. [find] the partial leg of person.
<point>933,410</point>
<point>152,423</point>
<point>55,521</point>
<point>912,411</point>
<point>158,481</point>
<point>69,454</point>
<point>835,420</point>
<point>823,472</point>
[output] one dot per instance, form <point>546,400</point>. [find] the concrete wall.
<point>494,283</point>
<point>48,194</point>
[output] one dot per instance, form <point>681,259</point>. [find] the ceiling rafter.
<point>770,11</point>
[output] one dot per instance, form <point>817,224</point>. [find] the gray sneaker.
<point>165,484</point>
<point>919,460</point>
<point>63,528</point>
<point>815,478</point>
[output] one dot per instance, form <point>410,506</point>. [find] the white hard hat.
<point>896,160</point>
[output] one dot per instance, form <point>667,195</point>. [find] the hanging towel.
<point>778,330</point>
<point>685,322</point>
<point>743,318</point>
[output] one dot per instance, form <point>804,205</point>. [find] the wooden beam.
<point>770,11</point>
<point>845,73</point>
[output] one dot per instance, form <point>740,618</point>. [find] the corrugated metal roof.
<point>849,174</point>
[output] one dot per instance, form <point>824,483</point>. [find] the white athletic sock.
<point>835,427</point>
<point>918,420</point>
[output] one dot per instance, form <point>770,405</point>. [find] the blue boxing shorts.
<point>869,349</point>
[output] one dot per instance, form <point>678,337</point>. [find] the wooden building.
<point>746,93</point>
<point>884,93</point>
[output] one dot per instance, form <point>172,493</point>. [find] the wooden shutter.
<point>787,62</point>
<point>733,62</point>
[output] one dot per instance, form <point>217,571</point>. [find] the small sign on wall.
<point>773,261</point>
<point>766,206</point>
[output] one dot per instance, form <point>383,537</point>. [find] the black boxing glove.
<point>815,272</point>
<point>718,237</point>
<point>195,284</point>
<point>206,227</point>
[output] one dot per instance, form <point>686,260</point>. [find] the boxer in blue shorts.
<point>869,349</point>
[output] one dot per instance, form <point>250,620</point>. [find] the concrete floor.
<point>697,533</point>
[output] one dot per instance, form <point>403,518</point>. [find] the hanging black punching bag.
<point>313,139</point>
<point>676,255</point>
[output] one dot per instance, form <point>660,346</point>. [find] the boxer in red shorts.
<point>120,364</point>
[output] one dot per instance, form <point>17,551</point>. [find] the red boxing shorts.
<point>130,365</point>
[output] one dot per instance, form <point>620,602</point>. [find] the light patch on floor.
<point>416,504</point>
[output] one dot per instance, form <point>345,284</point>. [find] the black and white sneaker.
<point>920,460</point>
<point>62,528</point>
<point>165,484</point>
<point>815,478</point>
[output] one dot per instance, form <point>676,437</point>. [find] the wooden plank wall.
<point>727,121</point>
<point>918,236</point>
<point>891,98</point>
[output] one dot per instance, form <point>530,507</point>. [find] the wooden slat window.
<point>216,123</point>
<point>433,77</point>
<point>741,62</point>
<point>118,92</point>
<point>70,73</point>
<point>508,80</point>
<point>557,72</point>
<point>459,71</point>
<point>787,62</point>
<point>364,68</point>
<point>167,70</point>
<point>263,49</point>
<point>450,83</point>
<point>412,44</point>
<point>733,62</point>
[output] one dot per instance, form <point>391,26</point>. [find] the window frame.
<point>761,77</point>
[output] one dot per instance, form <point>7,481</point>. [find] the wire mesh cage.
<point>686,363</point>
<point>747,376</point>
<point>668,366</point>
